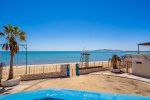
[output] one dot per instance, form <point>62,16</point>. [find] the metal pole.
<point>108,63</point>
<point>26,58</point>
<point>29,70</point>
<point>43,68</point>
<point>138,49</point>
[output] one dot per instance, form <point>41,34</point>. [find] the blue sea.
<point>47,57</point>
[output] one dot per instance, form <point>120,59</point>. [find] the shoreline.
<point>55,63</point>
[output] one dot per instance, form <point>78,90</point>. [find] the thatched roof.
<point>130,57</point>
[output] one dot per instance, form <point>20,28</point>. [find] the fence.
<point>126,66</point>
<point>62,71</point>
<point>97,63</point>
<point>49,70</point>
<point>39,70</point>
<point>93,67</point>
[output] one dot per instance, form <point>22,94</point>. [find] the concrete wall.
<point>141,69</point>
<point>90,70</point>
<point>62,72</point>
<point>43,76</point>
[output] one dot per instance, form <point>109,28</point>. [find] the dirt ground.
<point>98,83</point>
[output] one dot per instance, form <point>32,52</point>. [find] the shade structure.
<point>143,44</point>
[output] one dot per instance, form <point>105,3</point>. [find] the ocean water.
<point>47,57</point>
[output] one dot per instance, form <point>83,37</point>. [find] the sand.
<point>98,83</point>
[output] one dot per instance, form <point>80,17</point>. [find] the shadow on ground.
<point>4,90</point>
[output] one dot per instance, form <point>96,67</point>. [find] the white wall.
<point>142,69</point>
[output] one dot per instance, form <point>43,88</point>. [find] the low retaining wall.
<point>43,76</point>
<point>81,71</point>
<point>64,72</point>
<point>89,70</point>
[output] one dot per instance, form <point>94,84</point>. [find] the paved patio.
<point>21,87</point>
<point>124,75</point>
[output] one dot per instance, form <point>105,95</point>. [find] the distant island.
<point>107,50</point>
<point>111,50</point>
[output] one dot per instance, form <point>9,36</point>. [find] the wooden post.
<point>127,67</point>
<point>108,63</point>
<point>34,70</point>
<point>43,68</point>
<point>56,67</point>
<point>29,70</point>
<point>138,49</point>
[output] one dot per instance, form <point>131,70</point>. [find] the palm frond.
<point>2,34</point>
<point>13,33</point>
<point>22,36</point>
<point>16,28</point>
<point>10,26</point>
<point>5,46</point>
<point>6,30</point>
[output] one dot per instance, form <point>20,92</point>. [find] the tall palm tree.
<point>12,35</point>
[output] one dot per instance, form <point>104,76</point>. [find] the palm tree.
<point>12,36</point>
<point>114,61</point>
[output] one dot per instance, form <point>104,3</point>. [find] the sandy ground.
<point>99,83</point>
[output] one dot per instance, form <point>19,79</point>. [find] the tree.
<point>13,35</point>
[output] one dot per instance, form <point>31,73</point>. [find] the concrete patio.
<point>124,75</point>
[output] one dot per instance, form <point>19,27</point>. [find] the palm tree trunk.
<point>11,67</point>
<point>1,69</point>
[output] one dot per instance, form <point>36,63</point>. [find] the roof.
<point>146,44</point>
<point>136,57</point>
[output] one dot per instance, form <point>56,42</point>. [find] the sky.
<point>76,24</point>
